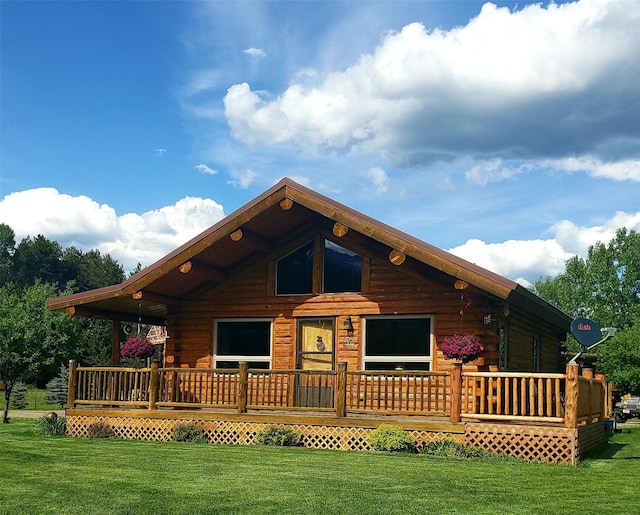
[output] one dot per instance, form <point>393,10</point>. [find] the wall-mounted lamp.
<point>460,285</point>
<point>347,325</point>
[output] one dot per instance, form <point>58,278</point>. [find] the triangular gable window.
<point>294,272</point>
<point>342,269</point>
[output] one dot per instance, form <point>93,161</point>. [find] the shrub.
<point>188,433</point>
<point>390,438</point>
<point>274,435</point>
<point>451,449</point>
<point>52,425</point>
<point>100,430</point>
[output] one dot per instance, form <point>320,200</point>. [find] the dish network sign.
<point>586,331</point>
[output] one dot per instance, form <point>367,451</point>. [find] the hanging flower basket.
<point>135,347</point>
<point>464,347</point>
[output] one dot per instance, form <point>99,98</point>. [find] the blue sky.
<point>508,133</point>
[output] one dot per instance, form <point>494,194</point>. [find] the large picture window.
<point>398,343</point>
<point>341,270</point>
<point>242,339</point>
<point>294,272</point>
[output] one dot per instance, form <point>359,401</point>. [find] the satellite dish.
<point>586,331</point>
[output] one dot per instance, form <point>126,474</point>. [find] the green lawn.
<point>82,476</point>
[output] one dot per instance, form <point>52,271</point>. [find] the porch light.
<point>347,325</point>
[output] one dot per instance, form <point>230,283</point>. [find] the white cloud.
<point>494,170</point>
<point>82,222</point>
<point>201,81</point>
<point>378,178</point>
<point>242,179</point>
<point>202,168</point>
<point>514,83</point>
<point>577,239</point>
<point>528,260</point>
<point>255,52</point>
<point>160,152</point>
<point>626,169</point>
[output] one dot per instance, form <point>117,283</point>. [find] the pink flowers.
<point>137,348</point>
<point>465,347</point>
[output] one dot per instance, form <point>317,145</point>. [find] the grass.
<point>77,475</point>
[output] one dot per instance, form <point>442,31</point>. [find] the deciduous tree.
<point>605,287</point>
<point>31,336</point>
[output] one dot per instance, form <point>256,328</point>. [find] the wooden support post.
<point>115,344</point>
<point>243,381</point>
<point>341,391</point>
<point>604,411</point>
<point>154,381</point>
<point>587,373</point>
<point>455,396</point>
<point>73,381</point>
<point>571,397</point>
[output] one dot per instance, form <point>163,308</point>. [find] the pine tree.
<point>57,388</point>
<point>19,399</point>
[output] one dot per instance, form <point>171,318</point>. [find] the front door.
<point>315,344</point>
<point>315,354</point>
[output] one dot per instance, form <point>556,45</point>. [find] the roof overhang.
<point>281,214</point>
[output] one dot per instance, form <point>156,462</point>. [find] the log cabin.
<point>295,281</point>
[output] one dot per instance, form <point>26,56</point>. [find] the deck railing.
<point>397,392</point>
<point>513,396</point>
<point>568,399</point>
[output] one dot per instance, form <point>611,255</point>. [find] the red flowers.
<point>137,348</point>
<point>465,347</point>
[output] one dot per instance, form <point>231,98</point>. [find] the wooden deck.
<point>552,417</point>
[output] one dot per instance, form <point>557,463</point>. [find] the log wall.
<point>389,290</point>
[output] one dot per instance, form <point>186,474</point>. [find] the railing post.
<point>341,391</point>
<point>73,381</point>
<point>154,381</point>
<point>604,411</point>
<point>571,397</point>
<point>455,394</point>
<point>587,373</point>
<point>243,380</point>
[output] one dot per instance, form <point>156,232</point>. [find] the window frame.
<point>416,358</point>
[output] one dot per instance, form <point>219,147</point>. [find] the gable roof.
<point>281,214</point>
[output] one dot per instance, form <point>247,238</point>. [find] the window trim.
<point>418,358</point>
<point>241,357</point>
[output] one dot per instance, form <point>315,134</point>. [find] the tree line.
<point>34,341</point>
